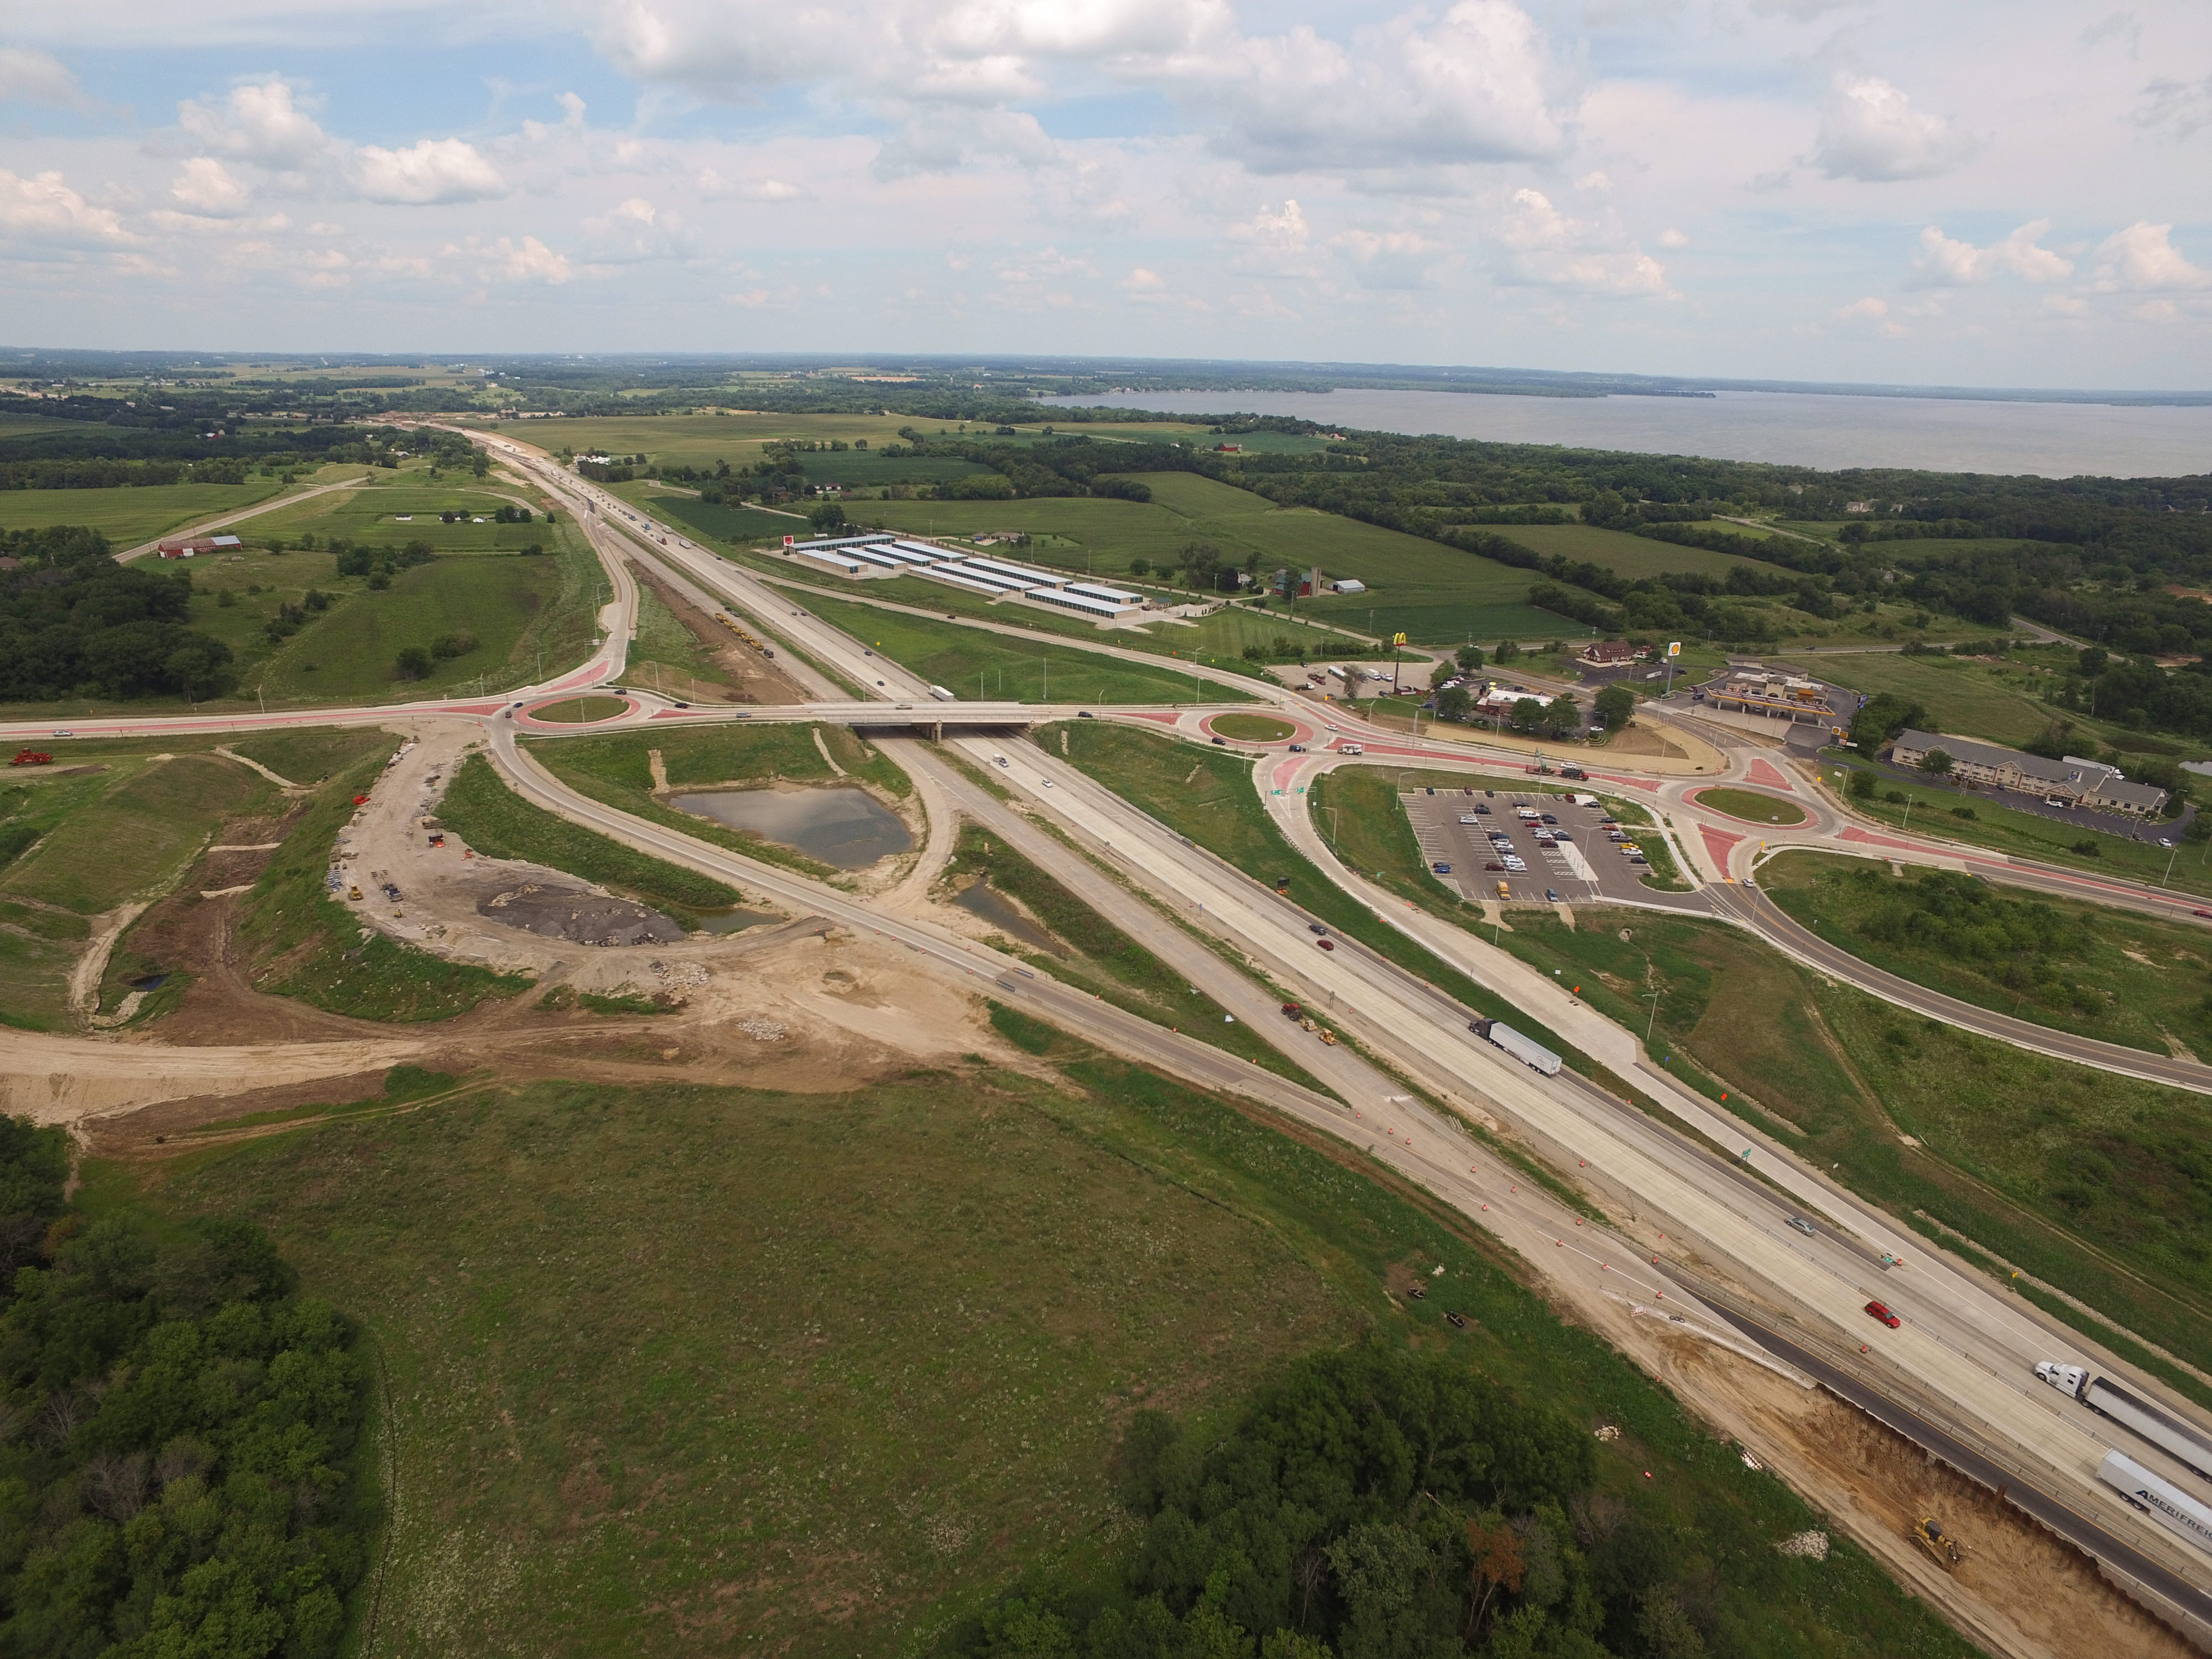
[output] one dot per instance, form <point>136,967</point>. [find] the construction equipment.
<point>32,758</point>
<point>1939,1543</point>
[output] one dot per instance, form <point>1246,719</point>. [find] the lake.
<point>1799,428</point>
<point>845,827</point>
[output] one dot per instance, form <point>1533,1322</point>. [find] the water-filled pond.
<point>993,908</point>
<point>735,921</point>
<point>846,826</point>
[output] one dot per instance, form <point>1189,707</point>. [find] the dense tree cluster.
<point>176,1428</point>
<point>1370,1505</point>
<point>74,622</point>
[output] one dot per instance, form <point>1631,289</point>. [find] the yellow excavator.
<point>1939,1543</point>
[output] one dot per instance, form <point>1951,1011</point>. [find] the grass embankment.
<point>616,770</point>
<point>666,655</point>
<point>580,711</point>
<point>2114,974</point>
<point>1207,795</point>
<point>1100,958</point>
<point>972,662</point>
<point>832,1404</point>
<point>74,846</point>
<point>308,755</point>
<point>2097,1184</point>
<point>496,822</point>
<point>1972,819</point>
<point>300,942</point>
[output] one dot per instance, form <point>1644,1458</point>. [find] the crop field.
<point>129,516</point>
<point>2092,1182</point>
<point>403,506</point>
<point>1629,557</point>
<point>716,521</point>
<point>750,1395</point>
<point>702,440</point>
<point>969,661</point>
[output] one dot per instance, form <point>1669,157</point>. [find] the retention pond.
<point>846,827</point>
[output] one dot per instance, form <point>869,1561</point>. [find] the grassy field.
<point>747,1395</point>
<point>1254,728</point>
<point>1089,952</point>
<point>1972,698</point>
<point>1927,810</point>
<point>2092,1182</point>
<point>296,940</point>
<point>2104,973</point>
<point>972,663</point>
<point>125,831</point>
<point>129,516</point>
<point>401,506</point>
<point>715,521</point>
<point>668,656</point>
<point>494,821</point>
<point>617,770</point>
<point>1753,804</point>
<point>580,711</point>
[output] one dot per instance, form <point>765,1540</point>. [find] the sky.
<point>1990,192</point>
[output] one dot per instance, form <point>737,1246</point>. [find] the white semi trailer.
<point>2131,1411</point>
<point>1529,1052</point>
<point>2163,1502</point>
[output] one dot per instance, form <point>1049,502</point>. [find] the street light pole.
<point>1653,998</point>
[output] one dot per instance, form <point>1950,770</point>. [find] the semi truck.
<point>1530,1053</point>
<point>2130,1411</point>
<point>2163,1502</point>
<point>942,695</point>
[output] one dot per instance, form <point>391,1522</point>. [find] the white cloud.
<point>2142,258</point>
<point>1869,130</point>
<point>38,77</point>
<point>1392,260</point>
<point>430,171</point>
<point>526,261</point>
<point>1542,246</point>
<point>1141,281</point>
<point>1876,313</point>
<point>260,124</point>
<point>636,230</point>
<point>944,140</point>
<point>1474,86</point>
<point>1673,238</point>
<point>1945,262</point>
<point>710,187</point>
<point>206,186</point>
<point>44,211</point>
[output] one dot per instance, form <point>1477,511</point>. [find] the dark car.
<point>1224,742</point>
<point>1548,818</point>
<point>1083,715</point>
<point>1551,896</point>
<point>1315,927</point>
<point>1494,865</point>
<point>1441,869</point>
<point>1880,1310</point>
<point>1298,749</point>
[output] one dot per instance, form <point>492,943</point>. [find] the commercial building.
<point>185,548</point>
<point>1608,654</point>
<point>881,553</point>
<point>2075,781</point>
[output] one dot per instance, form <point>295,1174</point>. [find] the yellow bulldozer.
<point>1939,1543</point>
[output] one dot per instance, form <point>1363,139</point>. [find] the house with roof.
<point>2075,781</point>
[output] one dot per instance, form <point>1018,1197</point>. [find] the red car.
<point>2206,915</point>
<point>1325,944</point>
<point>1880,1310</point>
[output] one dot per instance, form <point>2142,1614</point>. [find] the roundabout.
<point>1750,806</point>
<point>592,709</point>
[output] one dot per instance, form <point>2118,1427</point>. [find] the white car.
<point>1469,818</point>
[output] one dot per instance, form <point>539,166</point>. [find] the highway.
<point>1697,1188</point>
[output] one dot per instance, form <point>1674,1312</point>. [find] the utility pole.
<point>1653,998</point>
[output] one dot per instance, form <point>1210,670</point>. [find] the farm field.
<point>1629,557</point>
<point>2090,1181</point>
<point>715,521</point>
<point>128,516</point>
<point>619,1381</point>
<point>1963,695</point>
<point>970,662</point>
<point>700,439</point>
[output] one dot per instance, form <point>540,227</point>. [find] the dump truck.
<point>2154,1423</point>
<point>1529,1052</point>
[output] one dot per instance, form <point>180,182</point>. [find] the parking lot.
<point>1576,858</point>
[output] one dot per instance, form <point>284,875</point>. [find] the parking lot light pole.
<point>2169,858</point>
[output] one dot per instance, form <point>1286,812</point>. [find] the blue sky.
<point>1975,192</point>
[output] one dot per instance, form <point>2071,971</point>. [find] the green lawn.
<point>752,1395</point>
<point>1254,728</point>
<point>972,663</point>
<point>131,515</point>
<point>712,521</point>
<point>496,822</point>
<point>1972,698</point>
<point>1754,805</point>
<point>2114,974</point>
